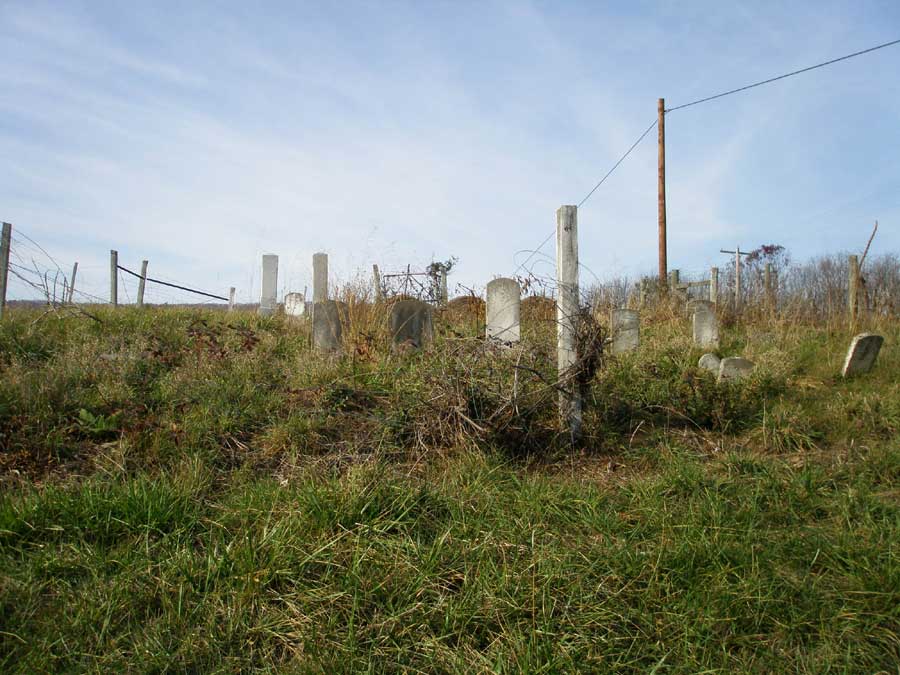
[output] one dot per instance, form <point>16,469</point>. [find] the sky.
<point>200,136</point>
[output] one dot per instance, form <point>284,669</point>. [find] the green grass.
<point>215,498</point>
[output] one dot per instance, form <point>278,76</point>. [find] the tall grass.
<point>193,491</point>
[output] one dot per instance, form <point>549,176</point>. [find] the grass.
<point>191,492</point>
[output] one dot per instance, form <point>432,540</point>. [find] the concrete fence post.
<point>853,288</point>
<point>376,279</point>
<point>567,312</point>
<point>142,283</point>
<point>5,243</point>
<point>443,288</point>
<point>320,277</point>
<point>231,299</point>
<point>114,278</point>
<point>72,283</point>
<point>714,285</point>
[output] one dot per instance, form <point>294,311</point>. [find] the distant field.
<point>194,491</point>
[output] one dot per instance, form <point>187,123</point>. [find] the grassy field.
<point>199,492</point>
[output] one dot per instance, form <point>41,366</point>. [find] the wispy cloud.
<point>394,134</point>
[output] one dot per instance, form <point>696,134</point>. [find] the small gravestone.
<point>502,311</point>
<point>326,325</point>
<point>294,304</point>
<point>862,354</point>
<point>411,324</point>
<point>709,362</point>
<point>734,368</point>
<point>706,325</point>
<point>625,326</point>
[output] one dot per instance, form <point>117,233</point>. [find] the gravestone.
<point>411,324</point>
<point>861,356</point>
<point>294,304</point>
<point>268,298</point>
<point>326,325</point>
<point>503,311</point>
<point>320,277</point>
<point>625,326</point>
<point>706,325</point>
<point>734,368</point>
<point>709,362</point>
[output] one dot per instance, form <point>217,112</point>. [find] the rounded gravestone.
<point>411,324</point>
<point>734,368</point>
<point>625,326</point>
<point>294,304</point>
<point>502,315</point>
<point>706,324</point>
<point>709,362</point>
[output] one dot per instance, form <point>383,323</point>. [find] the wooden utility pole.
<point>5,242</point>
<point>737,275</point>
<point>663,262</point>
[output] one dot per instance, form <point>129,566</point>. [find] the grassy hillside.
<point>189,491</point>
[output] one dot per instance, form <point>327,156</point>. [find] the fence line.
<point>166,283</point>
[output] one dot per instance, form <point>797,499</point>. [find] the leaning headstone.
<point>502,311</point>
<point>294,304</point>
<point>734,368</point>
<point>326,325</point>
<point>268,298</point>
<point>706,325</point>
<point>862,354</point>
<point>625,326</point>
<point>709,362</point>
<point>411,324</point>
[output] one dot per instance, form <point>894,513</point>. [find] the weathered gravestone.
<point>268,298</point>
<point>861,356</point>
<point>706,325</point>
<point>734,368</point>
<point>326,325</point>
<point>502,311</point>
<point>709,362</point>
<point>411,324</point>
<point>320,277</point>
<point>625,326</point>
<point>294,304</point>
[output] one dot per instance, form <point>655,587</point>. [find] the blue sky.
<point>202,135</point>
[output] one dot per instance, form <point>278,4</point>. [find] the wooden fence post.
<point>142,283</point>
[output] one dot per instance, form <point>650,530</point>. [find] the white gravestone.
<point>268,298</point>
<point>502,311</point>
<point>706,325</point>
<point>625,326</point>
